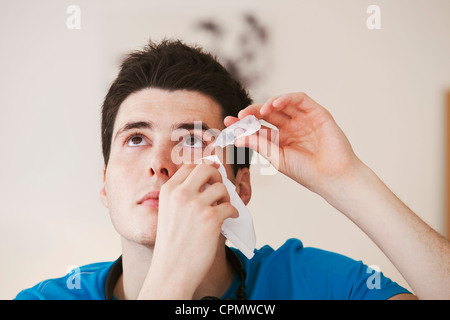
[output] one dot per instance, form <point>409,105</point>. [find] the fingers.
<point>280,109</point>
<point>185,170</point>
<point>182,173</point>
<point>226,210</point>
<point>266,145</point>
<point>268,134</point>
<point>229,120</point>
<point>215,193</point>
<point>265,142</point>
<point>290,103</point>
<point>276,118</point>
<point>280,104</point>
<point>203,173</point>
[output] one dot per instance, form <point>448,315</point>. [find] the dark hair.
<point>173,65</point>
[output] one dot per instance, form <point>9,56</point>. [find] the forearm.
<point>417,251</point>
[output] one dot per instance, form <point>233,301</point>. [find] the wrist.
<point>347,190</point>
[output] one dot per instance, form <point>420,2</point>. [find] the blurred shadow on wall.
<point>241,43</point>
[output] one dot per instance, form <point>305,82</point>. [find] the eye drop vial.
<point>244,127</point>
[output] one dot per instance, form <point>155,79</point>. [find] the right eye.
<point>136,140</point>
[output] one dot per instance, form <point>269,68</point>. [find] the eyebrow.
<point>191,126</point>
<point>134,125</point>
<point>149,125</point>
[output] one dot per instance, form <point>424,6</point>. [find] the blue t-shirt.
<point>291,272</point>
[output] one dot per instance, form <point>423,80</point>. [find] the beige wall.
<point>385,88</point>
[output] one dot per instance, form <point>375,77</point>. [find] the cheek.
<point>120,183</point>
<point>114,197</point>
<point>126,166</point>
<point>129,220</point>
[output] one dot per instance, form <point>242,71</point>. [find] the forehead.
<point>167,107</point>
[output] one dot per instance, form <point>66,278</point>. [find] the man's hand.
<point>308,147</point>
<point>312,150</point>
<point>189,225</point>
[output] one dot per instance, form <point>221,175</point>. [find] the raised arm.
<point>310,148</point>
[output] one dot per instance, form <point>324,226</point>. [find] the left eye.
<point>192,141</point>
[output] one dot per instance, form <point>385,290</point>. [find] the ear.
<point>243,186</point>
<point>103,196</point>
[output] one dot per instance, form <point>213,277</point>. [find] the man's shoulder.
<point>296,272</point>
<point>293,250</point>
<point>293,257</point>
<point>85,282</point>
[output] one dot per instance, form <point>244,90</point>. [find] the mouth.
<point>151,200</point>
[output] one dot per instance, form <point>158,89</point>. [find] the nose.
<point>161,164</point>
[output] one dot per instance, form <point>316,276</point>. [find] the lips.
<point>151,200</point>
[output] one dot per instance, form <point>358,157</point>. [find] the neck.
<point>136,261</point>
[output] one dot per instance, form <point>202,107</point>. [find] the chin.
<point>141,237</point>
<point>141,230</point>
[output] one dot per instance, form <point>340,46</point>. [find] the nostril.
<point>163,171</point>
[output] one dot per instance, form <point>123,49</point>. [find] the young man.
<point>170,225</point>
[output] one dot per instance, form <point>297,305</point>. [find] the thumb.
<point>260,143</point>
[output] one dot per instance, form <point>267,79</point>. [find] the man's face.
<point>153,136</point>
